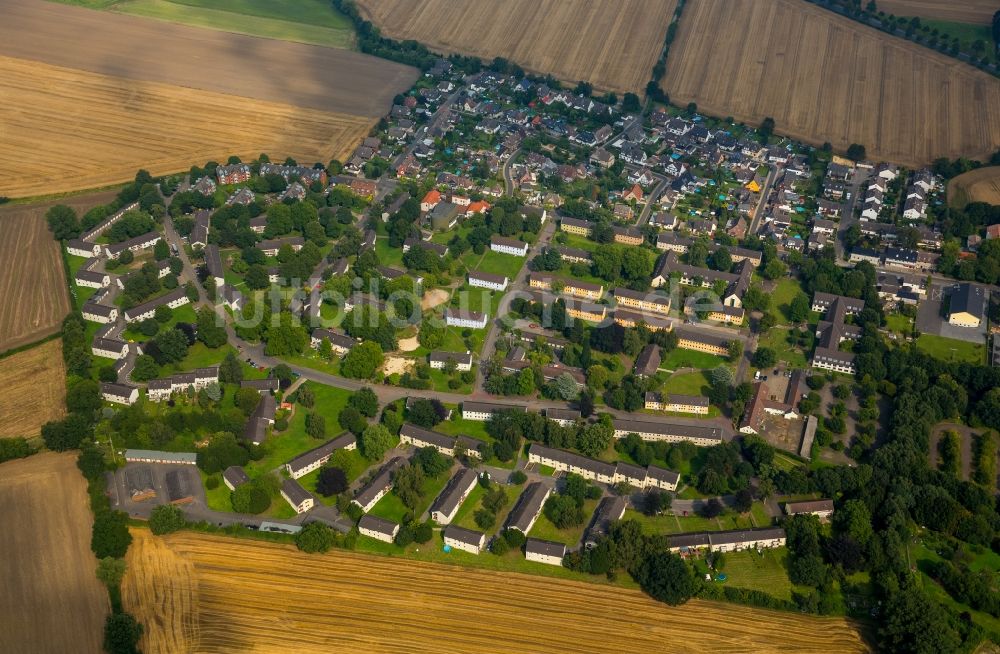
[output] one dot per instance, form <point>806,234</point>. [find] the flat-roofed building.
<point>155,456</point>
<point>529,507</point>
<point>296,496</point>
<point>466,540</point>
<point>544,551</point>
<point>677,403</point>
<point>378,528</point>
<point>450,500</point>
<point>671,433</point>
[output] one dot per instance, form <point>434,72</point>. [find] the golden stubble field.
<point>980,185</point>
<point>34,383</point>
<point>961,11</point>
<point>204,593</point>
<point>51,599</point>
<point>66,130</point>
<point>612,45</point>
<point>827,78</point>
<point>33,294</point>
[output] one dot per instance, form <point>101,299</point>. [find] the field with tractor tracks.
<point>212,594</point>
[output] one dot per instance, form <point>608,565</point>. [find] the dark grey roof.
<point>745,535</point>
<point>379,482</point>
<point>381,525</point>
<point>488,277</point>
<point>452,495</point>
<point>117,390</point>
<point>808,506</point>
<point>463,535</point>
<point>489,407</point>
<point>178,485</point>
<point>662,474</point>
<point>294,491</point>
<point>496,239</point>
<point>648,361</point>
<point>427,436</point>
<point>213,260</point>
<point>528,506</point>
<point>609,510</point>
<point>321,452</point>
<point>688,540</point>
<point>562,414</point>
<point>457,357</point>
<point>574,460</point>
<point>666,428</point>
<point>968,298</point>
<point>544,547</point>
<point>235,475</point>
<point>140,309</point>
<point>269,384</point>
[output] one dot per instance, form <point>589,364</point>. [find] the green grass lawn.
<point>282,447</point>
<point>921,555</point>
<point>312,360</point>
<point>218,497</point>
<point>301,21</point>
<point>392,508</point>
<point>497,264</point>
<point>679,358</point>
<point>950,349</point>
<point>781,298</point>
<point>898,323</point>
<point>677,524</point>
<point>966,33</point>
<point>466,514</point>
<point>512,561</point>
<point>778,338</point>
<point>688,383</point>
<point>766,572</point>
<point>440,379</point>
<point>544,529</point>
<point>184,313</point>
<point>387,255</point>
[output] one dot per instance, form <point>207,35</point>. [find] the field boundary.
<point>865,18</point>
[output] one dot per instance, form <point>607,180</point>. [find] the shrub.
<point>165,519</point>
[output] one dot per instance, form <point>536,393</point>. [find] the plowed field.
<point>823,77</point>
<point>38,374</point>
<point>211,594</point>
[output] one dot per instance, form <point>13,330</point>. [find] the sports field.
<point>211,594</point>
<point>612,45</point>
<point>51,601</point>
<point>826,78</point>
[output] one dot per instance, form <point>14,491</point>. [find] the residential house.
<point>369,494</point>
<point>671,433</point>
<point>317,457</point>
<point>505,245</point>
<point>296,496</point>
<point>677,403</point>
<point>466,540</point>
<point>454,494</point>
<point>544,551</point>
<point>528,507</point>
<point>440,360</point>
<point>493,282</point>
<point>378,528</point>
<point>470,319</point>
<point>119,393</point>
<point>820,508</point>
<point>483,411</point>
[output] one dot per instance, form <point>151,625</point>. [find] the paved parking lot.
<point>931,320</point>
<point>121,499</point>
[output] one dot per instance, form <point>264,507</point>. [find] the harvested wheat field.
<point>960,11</point>
<point>980,185</point>
<point>612,45</point>
<point>204,593</point>
<point>147,50</point>
<point>38,374</point>
<point>33,294</point>
<point>69,130</point>
<point>827,78</point>
<point>51,599</point>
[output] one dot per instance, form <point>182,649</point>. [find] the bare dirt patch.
<point>612,45</point>
<point>397,365</point>
<point>434,297</point>
<point>34,383</point>
<point>964,11</point>
<point>143,49</point>
<point>823,77</point>
<point>251,595</point>
<point>980,185</point>
<point>408,344</point>
<point>51,599</point>
<point>68,130</point>
<point>33,294</point>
